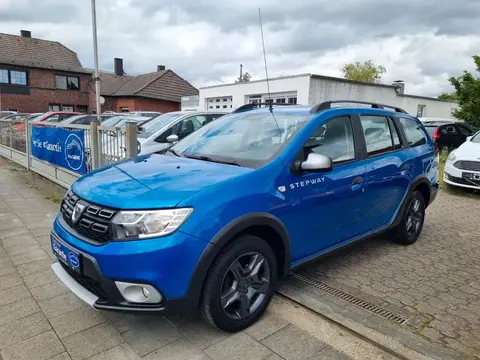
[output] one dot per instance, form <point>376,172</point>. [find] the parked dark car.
<point>448,136</point>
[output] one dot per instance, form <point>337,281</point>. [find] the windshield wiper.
<point>207,158</point>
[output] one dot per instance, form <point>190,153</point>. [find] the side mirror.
<point>172,139</point>
<point>469,138</point>
<point>316,163</point>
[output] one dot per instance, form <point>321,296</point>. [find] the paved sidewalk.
<point>41,319</point>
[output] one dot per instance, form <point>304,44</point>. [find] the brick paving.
<point>41,319</point>
<point>436,281</point>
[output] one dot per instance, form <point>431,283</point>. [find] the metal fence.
<point>13,135</point>
<point>103,145</point>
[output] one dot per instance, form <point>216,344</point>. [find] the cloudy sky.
<point>420,41</point>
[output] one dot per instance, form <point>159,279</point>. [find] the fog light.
<point>139,293</point>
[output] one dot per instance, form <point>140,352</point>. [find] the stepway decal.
<point>60,147</point>
<point>296,185</point>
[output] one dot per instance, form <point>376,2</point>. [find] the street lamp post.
<point>95,55</point>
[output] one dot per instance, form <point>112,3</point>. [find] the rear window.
<point>415,135</point>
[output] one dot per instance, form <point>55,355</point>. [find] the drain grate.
<point>377,310</point>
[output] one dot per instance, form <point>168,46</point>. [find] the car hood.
<point>151,181</point>
<point>468,150</point>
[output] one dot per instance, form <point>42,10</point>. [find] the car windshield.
<point>131,119</point>
<point>248,139</point>
<point>157,123</point>
<point>73,119</point>
<point>476,138</point>
<point>113,120</point>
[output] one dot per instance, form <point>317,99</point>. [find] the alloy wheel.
<point>245,285</point>
<point>414,219</point>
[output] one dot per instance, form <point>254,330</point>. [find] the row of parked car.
<point>156,131</point>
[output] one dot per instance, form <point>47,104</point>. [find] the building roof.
<point>331,78</point>
<point>38,53</point>
<point>162,85</point>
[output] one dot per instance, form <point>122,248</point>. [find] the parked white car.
<point>156,134</point>
<point>463,164</point>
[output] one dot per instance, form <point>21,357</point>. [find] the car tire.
<point>411,224</point>
<point>239,284</point>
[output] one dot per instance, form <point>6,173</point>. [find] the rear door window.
<point>413,131</point>
<point>378,136</point>
<point>464,130</point>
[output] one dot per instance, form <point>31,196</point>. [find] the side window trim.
<point>394,128</point>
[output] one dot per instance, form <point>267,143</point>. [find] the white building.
<point>312,89</point>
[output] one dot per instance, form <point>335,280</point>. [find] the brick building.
<point>156,91</point>
<point>40,75</point>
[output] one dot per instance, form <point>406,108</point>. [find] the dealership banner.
<point>60,147</point>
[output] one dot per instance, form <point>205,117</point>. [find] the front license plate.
<point>66,255</point>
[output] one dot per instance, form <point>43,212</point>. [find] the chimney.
<point>118,64</point>
<point>160,67</point>
<point>26,33</point>
<point>399,87</point>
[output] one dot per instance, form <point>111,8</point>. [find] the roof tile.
<point>38,53</point>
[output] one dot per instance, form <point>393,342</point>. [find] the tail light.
<point>436,136</point>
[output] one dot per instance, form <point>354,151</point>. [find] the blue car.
<point>212,223</point>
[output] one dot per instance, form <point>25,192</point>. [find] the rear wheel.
<point>412,221</point>
<point>240,284</point>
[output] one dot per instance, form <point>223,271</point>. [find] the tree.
<point>366,71</point>
<point>447,97</point>
<point>245,78</point>
<point>467,92</point>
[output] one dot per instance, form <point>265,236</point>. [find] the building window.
<point>225,100</point>
<point>269,101</point>
<point>13,77</point>
<point>54,107</point>
<point>421,110</point>
<point>67,107</point>
<point>280,101</point>
<point>124,110</point>
<point>67,82</point>
<point>210,107</point>
<point>82,108</point>
<point>224,106</point>
<point>292,100</point>
<point>211,100</point>
<point>217,107</point>
<point>18,77</point>
<point>231,106</point>
<point>217,100</point>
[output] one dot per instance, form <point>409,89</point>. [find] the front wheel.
<point>412,221</point>
<point>240,284</point>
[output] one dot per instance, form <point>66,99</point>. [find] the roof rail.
<point>328,105</point>
<point>248,107</point>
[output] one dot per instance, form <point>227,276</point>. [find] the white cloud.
<point>422,43</point>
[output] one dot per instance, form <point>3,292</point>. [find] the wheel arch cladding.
<point>424,189</point>
<point>262,225</point>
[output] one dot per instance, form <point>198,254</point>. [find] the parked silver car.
<point>156,134</point>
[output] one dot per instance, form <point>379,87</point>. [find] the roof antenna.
<point>266,69</point>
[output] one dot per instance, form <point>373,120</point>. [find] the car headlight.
<point>451,156</point>
<point>129,225</point>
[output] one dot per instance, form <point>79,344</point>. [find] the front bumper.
<point>167,264</point>
<point>456,177</point>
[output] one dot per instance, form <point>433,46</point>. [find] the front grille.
<point>93,223</point>
<point>467,165</point>
<point>88,283</point>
